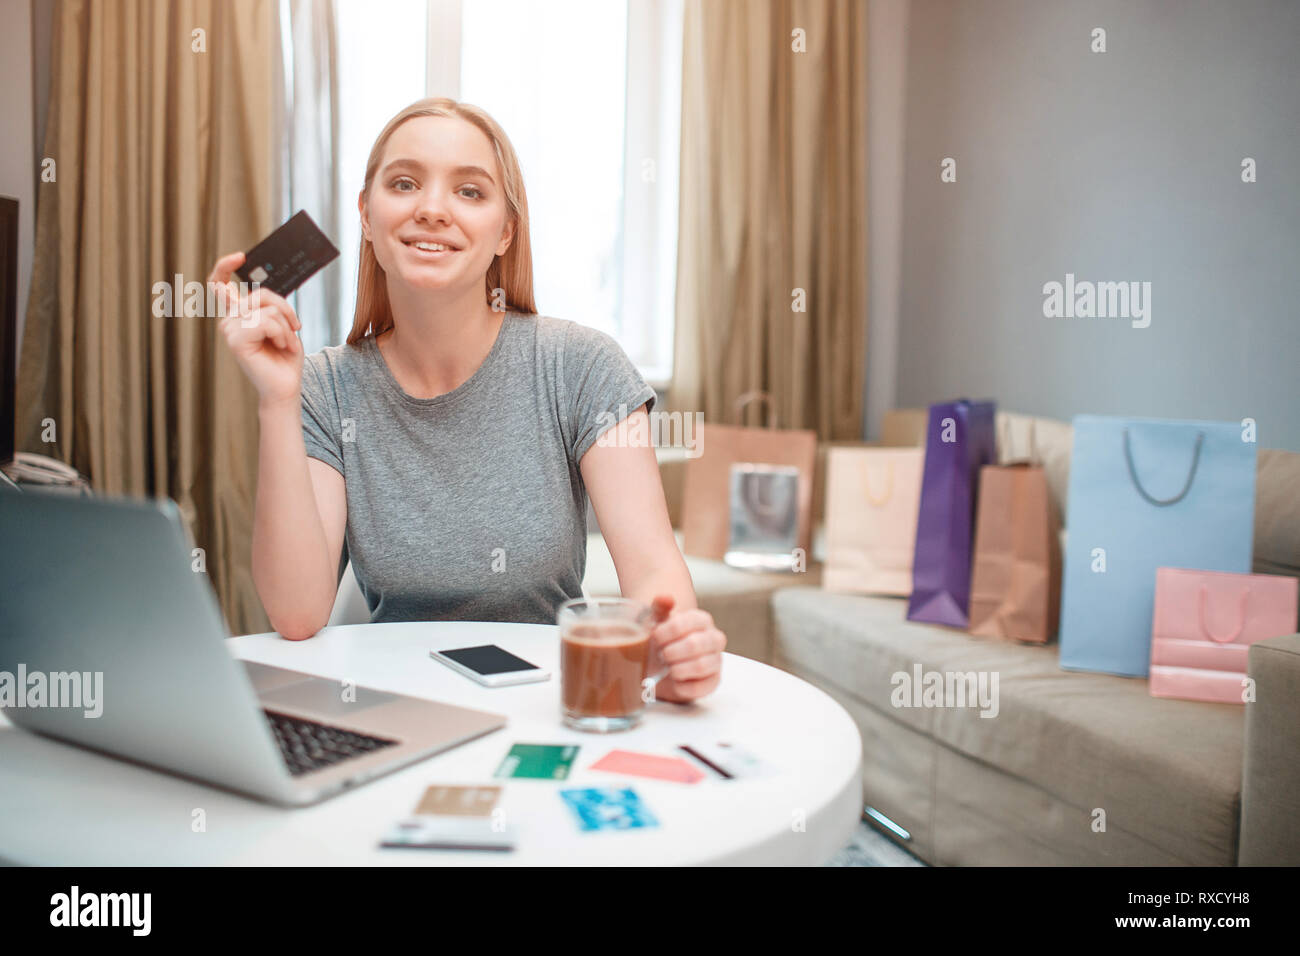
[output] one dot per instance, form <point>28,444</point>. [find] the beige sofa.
<point>1077,768</point>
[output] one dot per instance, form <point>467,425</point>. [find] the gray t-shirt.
<point>470,506</point>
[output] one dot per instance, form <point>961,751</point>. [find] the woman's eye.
<point>399,184</point>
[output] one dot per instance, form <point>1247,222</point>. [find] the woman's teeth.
<point>431,246</point>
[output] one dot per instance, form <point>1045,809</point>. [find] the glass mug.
<point>609,667</point>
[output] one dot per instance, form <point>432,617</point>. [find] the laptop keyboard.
<point>307,745</point>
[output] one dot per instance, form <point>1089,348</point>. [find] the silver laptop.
<point>106,586</point>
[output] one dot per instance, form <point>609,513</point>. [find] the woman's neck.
<point>434,351</point>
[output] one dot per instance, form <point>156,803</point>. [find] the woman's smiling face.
<point>437,211</point>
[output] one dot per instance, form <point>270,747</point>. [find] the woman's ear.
<point>507,237</point>
<point>361,208</point>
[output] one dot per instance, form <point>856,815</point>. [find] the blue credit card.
<point>608,808</point>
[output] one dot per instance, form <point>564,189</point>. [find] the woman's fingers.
<point>691,647</point>
<point>265,297</point>
<point>264,323</point>
<point>260,329</point>
<point>267,322</point>
<point>683,622</point>
<point>687,635</point>
<point>696,644</point>
<point>228,301</point>
<point>260,306</point>
<point>276,332</point>
<point>688,690</point>
<point>246,307</point>
<point>225,267</point>
<point>661,607</point>
<point>697,668</point>
<point>282,329</point>
<point>222,292</point>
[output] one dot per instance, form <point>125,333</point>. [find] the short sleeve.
<point>602,385</point>
<point>318,418</point>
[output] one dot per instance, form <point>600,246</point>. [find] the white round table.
<point>63,805</point>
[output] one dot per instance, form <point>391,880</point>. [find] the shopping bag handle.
<point>767,509</point>
<point>1191,474</point>
<point>756,396</point>
<point>1241,618</point>
<point>878,501</point>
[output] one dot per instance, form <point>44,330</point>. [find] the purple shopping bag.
<point>959,442</point>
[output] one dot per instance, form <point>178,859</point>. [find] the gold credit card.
<point>458,801</point>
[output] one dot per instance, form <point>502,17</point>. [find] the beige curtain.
<point>162,145</point>
<point>773,184</point>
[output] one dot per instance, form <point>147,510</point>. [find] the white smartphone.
<point>490,665</point>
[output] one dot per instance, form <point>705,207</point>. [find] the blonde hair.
<point>512,272</point>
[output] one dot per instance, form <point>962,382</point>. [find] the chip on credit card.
<point>289,256</point>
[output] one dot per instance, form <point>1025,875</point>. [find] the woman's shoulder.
<point>333,360</point>
<point>335,367</point>
<point>568,337</point>
<point>550,331</point>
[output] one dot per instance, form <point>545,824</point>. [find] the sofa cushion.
<point>1277,512</point>
<point>985,817</point>
<point>1271,793</point>
<point>1169,770</point>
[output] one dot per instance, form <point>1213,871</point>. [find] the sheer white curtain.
<point>589,92</point>
<point>381,70</point>
<point>650,184</point>
<point>307,118</point>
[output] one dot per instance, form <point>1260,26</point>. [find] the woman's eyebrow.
<point>456,170</point>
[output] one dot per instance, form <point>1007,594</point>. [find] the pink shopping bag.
<point>1204,624</point>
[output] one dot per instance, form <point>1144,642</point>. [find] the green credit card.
<point>547,761</point>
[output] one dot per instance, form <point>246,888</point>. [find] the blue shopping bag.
<point>1146,493</point>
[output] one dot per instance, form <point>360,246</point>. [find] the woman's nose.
<point>431,209</point>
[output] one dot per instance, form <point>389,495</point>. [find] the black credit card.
<point>289,256</point>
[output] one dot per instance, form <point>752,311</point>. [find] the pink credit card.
<point>648,765</point>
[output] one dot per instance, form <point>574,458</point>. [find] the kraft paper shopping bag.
<point>1016,579</point>
<point>706,495</point>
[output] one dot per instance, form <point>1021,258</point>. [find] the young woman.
<point>452,441</point>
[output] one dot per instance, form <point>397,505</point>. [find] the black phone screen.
<point>488,659</point>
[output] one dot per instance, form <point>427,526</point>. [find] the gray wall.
<point>1115,166</point>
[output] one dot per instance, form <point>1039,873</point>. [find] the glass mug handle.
<point>657,613</point>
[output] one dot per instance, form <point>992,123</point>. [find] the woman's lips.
<point>430,253</point>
